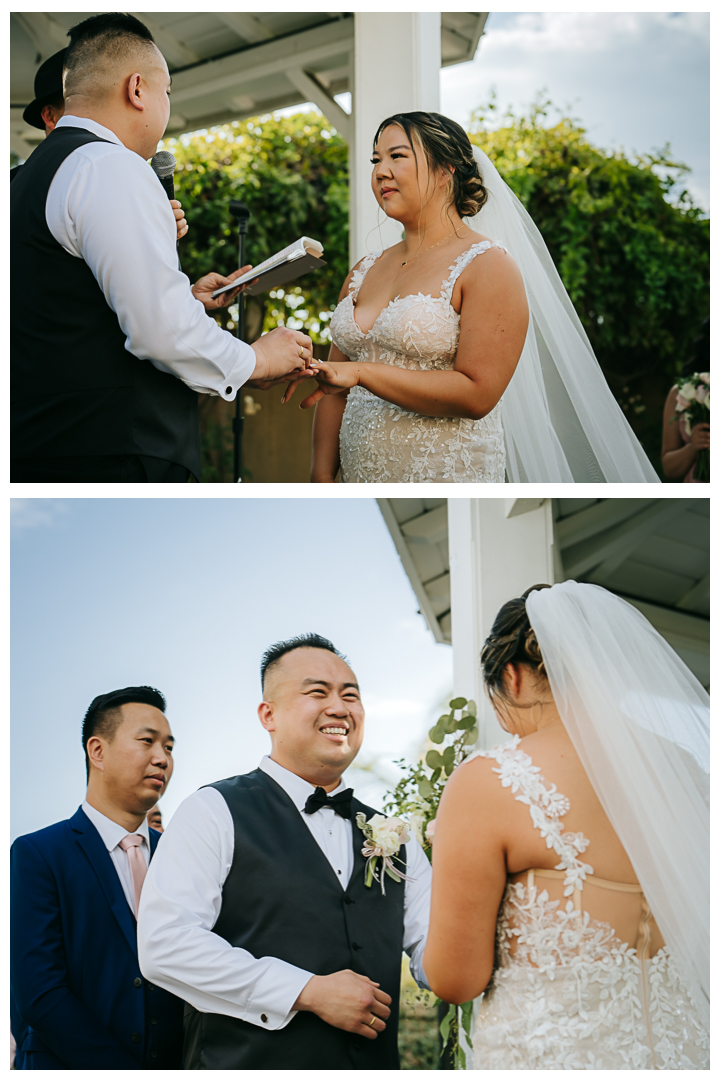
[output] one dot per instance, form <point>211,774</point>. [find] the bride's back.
<point>610,893</point>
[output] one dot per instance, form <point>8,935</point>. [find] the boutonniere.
<point>384,836</point>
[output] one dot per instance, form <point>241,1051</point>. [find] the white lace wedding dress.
<point>567,993</point>
<point>383,443</point>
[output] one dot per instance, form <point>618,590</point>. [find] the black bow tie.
<point>339,803</point>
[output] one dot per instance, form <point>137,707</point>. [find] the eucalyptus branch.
<point>417,796</point>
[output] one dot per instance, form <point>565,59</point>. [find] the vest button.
<point>153,1053</point>
<point>356,946</point>
<point>136,1037</point>
<point>137,982</point>
<point>153,1020</point>
<point>348,900</point>
<point>263,1017</point>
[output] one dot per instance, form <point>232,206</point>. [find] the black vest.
<point>283,899</point>
<point>75,389</point>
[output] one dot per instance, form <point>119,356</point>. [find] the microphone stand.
<point>241,214</point>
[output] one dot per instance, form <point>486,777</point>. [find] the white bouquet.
<point>693,407</point>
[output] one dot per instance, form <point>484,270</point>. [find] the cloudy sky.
<point>185,594</point>
<point>636,80</point>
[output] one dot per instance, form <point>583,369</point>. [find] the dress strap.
<point>603,883</point>
<point>464,260</point>
<point>359,274</point>
<point>546,805</point>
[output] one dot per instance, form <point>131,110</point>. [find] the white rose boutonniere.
<point>383,839</point>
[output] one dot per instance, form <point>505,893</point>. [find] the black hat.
<point>48,87</point>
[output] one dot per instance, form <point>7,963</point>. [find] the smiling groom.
<point>255,909</point>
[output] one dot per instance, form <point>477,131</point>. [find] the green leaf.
<point>369,871</point>
<point>445,1026</point>
<point>434,759</point>
<point>443,720</point>
<point>458,703</point>
<point>436,734</point>
<point>471,707</point>
<point>425,789</point>
<point>392,874</point>
<point>466,723</point>
<point>435,776</point>
<point>467,1016</point>
<point>448,760</point>
<point>460,1062</point>
<point>450,725</point>
<point>472,736</point>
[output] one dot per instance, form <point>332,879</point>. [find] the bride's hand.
<point>332,379</point>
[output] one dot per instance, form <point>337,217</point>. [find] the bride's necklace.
<point>427,249</point>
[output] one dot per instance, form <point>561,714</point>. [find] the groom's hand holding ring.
<point>282,353</point>
<point>348,1001</point>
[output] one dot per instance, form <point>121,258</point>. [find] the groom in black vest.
<point>255,909</point>
<point>109,345</point>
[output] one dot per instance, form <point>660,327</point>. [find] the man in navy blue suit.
<point>75,887</point>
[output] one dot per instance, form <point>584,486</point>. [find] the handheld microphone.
<point>163,165</point>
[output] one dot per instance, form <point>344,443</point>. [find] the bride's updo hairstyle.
<point>511,641</point>
<point>446,146</point>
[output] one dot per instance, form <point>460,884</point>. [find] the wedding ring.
<point>372,1021</point>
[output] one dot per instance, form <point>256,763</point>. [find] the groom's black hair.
<point>302,641</point>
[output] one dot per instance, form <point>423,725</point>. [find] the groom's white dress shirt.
<point>105,206</point>
<point>182,896</point>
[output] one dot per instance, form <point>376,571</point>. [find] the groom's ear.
<point>265,714</point>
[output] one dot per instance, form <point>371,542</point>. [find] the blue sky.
<point>184,594</point>
<point>635,79</point>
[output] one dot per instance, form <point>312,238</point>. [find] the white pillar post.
<point>396,69</point>
<point>498,549</point>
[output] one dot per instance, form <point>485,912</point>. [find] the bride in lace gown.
<point>585,956</point>
<point>457,355</point>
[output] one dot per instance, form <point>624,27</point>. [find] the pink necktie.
<point>138,866</point>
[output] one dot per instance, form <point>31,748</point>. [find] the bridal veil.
<point>639,720</point>
<point>561,420</point>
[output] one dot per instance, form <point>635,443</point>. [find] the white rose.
<point>681,404</point>
<point>389,833</point>
<point>705,377</point>
<point>701,394</point>
<point>688,391</point>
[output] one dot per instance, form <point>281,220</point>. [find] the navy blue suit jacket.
<point>73,959</point>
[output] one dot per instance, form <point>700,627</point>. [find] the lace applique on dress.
<point>380,442</point>
<point>566,992</point>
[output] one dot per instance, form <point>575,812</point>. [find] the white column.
<point>396,69</point>
<point>498,549</point>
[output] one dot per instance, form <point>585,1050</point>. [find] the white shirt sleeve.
<point>106,206</point>
<point>417,909</point>
<point>179,906</point>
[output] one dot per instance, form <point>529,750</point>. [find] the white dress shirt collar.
<point>292,784</point>
<point>110,832</point>
<point>90,125</point>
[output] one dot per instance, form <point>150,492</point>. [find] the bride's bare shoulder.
<point>474,779</point>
